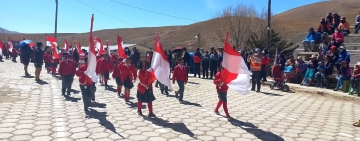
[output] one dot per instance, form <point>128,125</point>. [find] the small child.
<point>320,75</point>
<point>355,76</point>
<point>181,76</point>
<point>222,92</point>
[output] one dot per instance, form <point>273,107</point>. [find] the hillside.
<point>171,36</point>
<point>301,18</point>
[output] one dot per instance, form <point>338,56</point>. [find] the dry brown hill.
<point>171,36</point>
<point>301,18</point>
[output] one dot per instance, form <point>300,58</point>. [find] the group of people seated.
<point>334,25</point>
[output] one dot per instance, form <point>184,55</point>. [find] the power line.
<point>153,11</point>
<point>106,14</point>
<point>8,12</point>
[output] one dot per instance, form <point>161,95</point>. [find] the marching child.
<point>128,76</point>
<point>47,60</point>
<point>86,85</point>
<point>54,64</point>
<point>117,74</point>
<point>67,70</point>
<point>104,67</point>
<point>222,92</point>
<point>145,90</point>
<point>181,77</point>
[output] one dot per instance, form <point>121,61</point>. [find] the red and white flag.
<point>107,46</point>
<point>51,41</point>
<point>91,70</point>
<point>1,48</point>
<point>99,46</point>
<point>10,45</point>
<point>78,47</point>
<point>66,46</point>
<point>160,64</point>
<point>235,73</point>
<point>121,51</point>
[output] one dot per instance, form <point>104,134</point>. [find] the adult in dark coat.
<point>135,56</point>
<point>25,56</point>
<point>38,60</point>
<point>186,56</point>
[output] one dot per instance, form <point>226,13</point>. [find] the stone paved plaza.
<point>37,112</point>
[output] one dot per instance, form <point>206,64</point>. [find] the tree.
<point>284,47</point>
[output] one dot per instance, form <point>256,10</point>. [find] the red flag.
<point>10,45</point>
<point>1,45</point>
<point>66,45</point>
<point>235,73</point>
<point>51,41</point>
<point>91,70</point>
<point>120,47</point>
<point>160,64</point>
<point>78,47</point>
<point>99,46</point>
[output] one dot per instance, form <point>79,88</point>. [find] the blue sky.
<point>38,16</point>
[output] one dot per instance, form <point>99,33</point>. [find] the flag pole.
<point>56,17</point>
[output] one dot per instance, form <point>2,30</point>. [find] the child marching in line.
<point>54,64</point>
<point>222,92</point>
<point>104,67</point>
<point>117,74</point>
<point>145,90</point>
<point>67,70</point>
<point>47,60</point>
<point>128,76</point>
<point>181,76</point>
<point>86,85</point>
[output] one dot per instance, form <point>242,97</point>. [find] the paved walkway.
<point>37,112</point>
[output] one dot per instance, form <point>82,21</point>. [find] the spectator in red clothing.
<point>197,62</point>
<point>86,85</point>
<point>265,61</point>
<point>222,92</point>
<point>337,38</point>
<point>67,71</point>
<point>104,68</point>
<point>181,77</point>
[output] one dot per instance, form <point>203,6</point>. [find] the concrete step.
<point>349,35</point>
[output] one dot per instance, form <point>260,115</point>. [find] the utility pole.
<point>198,37</point>
<point>269,25</point>
<point>56,17</point>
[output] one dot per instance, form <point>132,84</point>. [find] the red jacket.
<point>47,58</point>
<point>68,68</point>
<point>180,73</point>
<point>146,78</point>
<point>338,37</point>
<point>265,60</point>
<point>113,57</point>
<point>127,71</point>
<point>55,60</point>
<point>197,59</point>
<point>103,66</point>
<point>116,71</point>
<point>224,87</point>
<point>83,78</point>
<point>13,51</point>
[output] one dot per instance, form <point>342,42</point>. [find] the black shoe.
<point>252,89</point>
<point>181,101</point>
<point>258,91</point>
<point>162,92</point>
<point>139,113</point>
<point>151,115</point>
<point>68,93</point>
<point>217,112</point>
<point>63,93</point>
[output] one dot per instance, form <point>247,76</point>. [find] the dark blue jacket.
<point>344,56</point>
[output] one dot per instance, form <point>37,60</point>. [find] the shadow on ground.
<point>257,132</point>
<point>101,116</point>
<point>177,127</point>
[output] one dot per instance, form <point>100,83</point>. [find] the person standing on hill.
<point>310,40</point>
<point>357,24</point>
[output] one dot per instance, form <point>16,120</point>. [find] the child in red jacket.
<point>86,85</point>
<point>117,74</point>
<point>67,70</point>
<point>145,89</point>
<point>181,76</point>
<point>47,60</point>
<point>222,92</point>
<point>54,64</point>
<point>128,76</point>
<point>104,67</point>
<point>355,77</point>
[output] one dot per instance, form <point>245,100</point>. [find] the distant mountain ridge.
<point>8,31</point>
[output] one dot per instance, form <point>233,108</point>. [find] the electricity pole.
<point>56,16</point>
<point>269,25</point>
